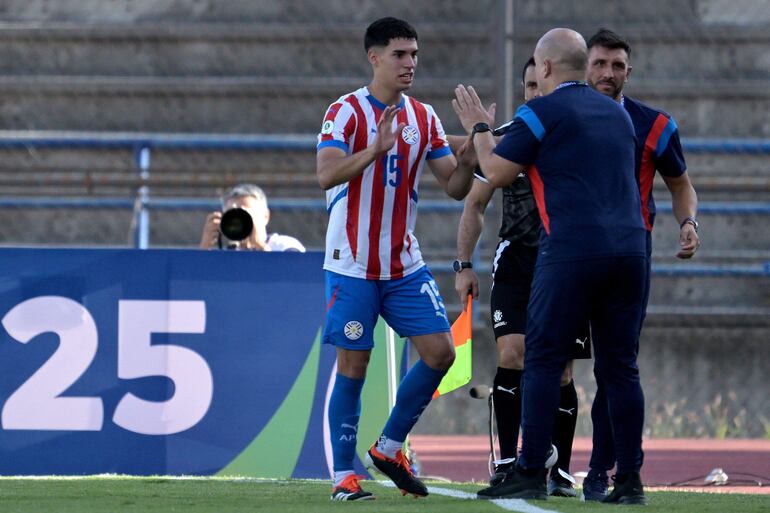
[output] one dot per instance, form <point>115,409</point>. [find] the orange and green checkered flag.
<point>459,373</point>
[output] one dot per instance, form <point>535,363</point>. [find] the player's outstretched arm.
<point>455,174</point>
<point>468,233</point>
<point>334,166</point>
<point>684,202</point>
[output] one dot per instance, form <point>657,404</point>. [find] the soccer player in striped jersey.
<point>373,146</point>
<point>658,148</point>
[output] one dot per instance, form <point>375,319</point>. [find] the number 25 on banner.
<point>37,404</point>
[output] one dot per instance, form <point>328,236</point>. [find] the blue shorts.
<point>411,305</point>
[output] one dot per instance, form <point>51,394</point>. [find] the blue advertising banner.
<point>155,362</point>
<point>170,362</point>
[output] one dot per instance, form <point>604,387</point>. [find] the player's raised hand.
<point>386,138</point>
<point>491,114</point>
<point>469,108</point>
<point>466,155</point>
<point>689,242</point>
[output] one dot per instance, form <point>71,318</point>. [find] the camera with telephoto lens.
<point>236,224</point>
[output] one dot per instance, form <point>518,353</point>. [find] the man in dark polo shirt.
<point>658,149</point>
<point>512,270</point>
<point>578,149</point>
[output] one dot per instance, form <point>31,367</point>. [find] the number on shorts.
<point>430,288</point>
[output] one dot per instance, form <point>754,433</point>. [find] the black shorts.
<point>514,268</point>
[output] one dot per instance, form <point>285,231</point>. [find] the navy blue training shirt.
<point>579,147</point>
<point>658,148</point>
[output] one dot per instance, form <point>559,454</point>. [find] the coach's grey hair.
<point>245,189</point>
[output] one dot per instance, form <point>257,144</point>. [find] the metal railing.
<point>143,144</point>
<point>319,206</point>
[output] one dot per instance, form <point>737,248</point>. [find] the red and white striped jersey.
<point>371,218</point>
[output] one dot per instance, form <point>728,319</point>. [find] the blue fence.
<point>143,144</point>
<point>298,204</point>
<point>266,142</point>
<point>319,207</point>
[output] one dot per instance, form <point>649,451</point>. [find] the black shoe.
<point>628,489</point>
<point>350,490</point>
<point>399,470</point>
<point>502,468</point>
<point>560,486</point>
<point>518,485</point>
<point>595,486</point>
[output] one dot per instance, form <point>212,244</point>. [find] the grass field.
<point>128,494</point>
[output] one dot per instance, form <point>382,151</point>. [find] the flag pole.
<point>390,344</point>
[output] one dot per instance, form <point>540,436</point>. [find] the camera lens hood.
<point>236,224</point>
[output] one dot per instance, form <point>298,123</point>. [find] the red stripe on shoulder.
<point>362,138</point>
<point>331,113</point>
<point>647,167</point>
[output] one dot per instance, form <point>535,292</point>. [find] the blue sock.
<point>413,396</point>
<point>344,411</point>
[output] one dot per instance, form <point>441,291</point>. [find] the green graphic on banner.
<point>274,452</point>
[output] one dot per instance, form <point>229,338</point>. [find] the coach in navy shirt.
<point>577,146</point>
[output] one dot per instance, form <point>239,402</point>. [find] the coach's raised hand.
<point>469,109</point>
<point>386,138</point>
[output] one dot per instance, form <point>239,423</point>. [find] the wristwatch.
<point>459,265</point>
<point>480,127</point>
<point>690,220</point>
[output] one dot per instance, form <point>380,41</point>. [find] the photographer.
<point>241,200</point>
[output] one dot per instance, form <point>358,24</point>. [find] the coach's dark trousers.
<point>610,293</point>
<point>603,445</point>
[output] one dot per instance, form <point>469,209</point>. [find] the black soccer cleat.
<point>350,490</point>
<point>628,489</point>
<point>502,467</point>
<point>518,485</point>
<point>595,486</point>
<point>399,470</point>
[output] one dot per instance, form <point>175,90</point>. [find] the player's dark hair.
<point>530,62</point>
<point>609,39</point>
<point>381,31</point>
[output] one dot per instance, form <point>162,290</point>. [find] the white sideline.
<point>519,505</point>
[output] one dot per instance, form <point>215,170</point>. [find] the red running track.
<point>464,458</point>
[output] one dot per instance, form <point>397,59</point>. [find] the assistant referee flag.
<point>459,373</point>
